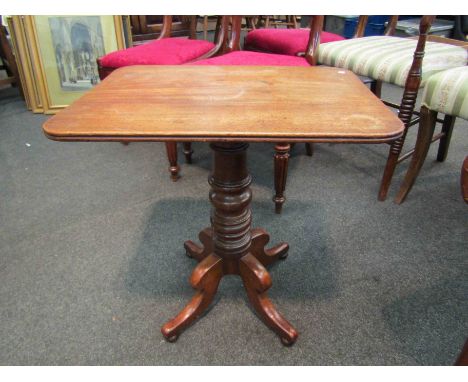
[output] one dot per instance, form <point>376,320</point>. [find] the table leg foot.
<point>260,239</point>
<point>200,252</point>
<point>205,279</point>
<point>257,281</point>
<point>171,151</point>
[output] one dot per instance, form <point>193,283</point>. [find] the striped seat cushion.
<point>447,92</point>
<point>388,58</point>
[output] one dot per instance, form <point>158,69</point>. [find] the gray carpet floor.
<point>92,260</point>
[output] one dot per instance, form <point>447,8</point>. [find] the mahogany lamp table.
<point>228,106</point>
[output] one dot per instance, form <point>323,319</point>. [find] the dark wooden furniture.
<point>445,93</point>
<point>425,137</point>
<point>165,30</point>
<point>228,106</point>
<point>150,27</point>
<point>464,184</point>
<point>233,56</point>
<point>8,62</point>
<point>406,107</point>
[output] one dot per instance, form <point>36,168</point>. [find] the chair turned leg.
<point>426,131</point>
<point>205,279</point>
<point>309,149</point>
<point>376,88</point>
<point>447,128</point>
<point>171,149</point>
<point>257,281</point>
<point>188,152</point>
<point>281,173</point>
<point>392,161</point>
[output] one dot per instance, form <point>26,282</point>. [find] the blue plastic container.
<point>375,26</point>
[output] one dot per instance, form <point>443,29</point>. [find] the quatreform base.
<point>231,247</point>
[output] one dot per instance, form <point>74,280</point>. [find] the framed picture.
<point>63,53</point>
<point>21,49</point>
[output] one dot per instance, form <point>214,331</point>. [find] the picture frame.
<point>63,52</point>
<point>21,50</point>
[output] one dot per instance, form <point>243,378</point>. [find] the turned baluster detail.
<point>281,174</point>
<point>230,196</point>
<point>408,102</point>
<point>230,246</point>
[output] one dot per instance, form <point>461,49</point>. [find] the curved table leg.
<point>260,239</point>
<point>200,252</point>
<point>257,281</point>
<point>205,279</point>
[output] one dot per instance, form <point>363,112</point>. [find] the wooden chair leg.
<point>464,179</point>
<point>188,152</point>
<point>447,128</point>
<point>171,149</point>
<point>309,149</point>
<point>462,359</point>
<point>376,88</point>
<point>423,142</point>
<point>281,173</point>
<point>392,161</point>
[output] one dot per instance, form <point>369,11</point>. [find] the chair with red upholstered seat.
<point>164,51</point>
<point>291,42</point>
<point>235,57</point>
<point>242,57</point>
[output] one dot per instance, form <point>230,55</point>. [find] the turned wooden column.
<point>231,246</point>
<point>230,196</point>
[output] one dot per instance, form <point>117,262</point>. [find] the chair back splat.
<point>171,51</point>
<point>316,26</point>
<point>391,26</point>
<point>228,39</point>
<point>361,26</point>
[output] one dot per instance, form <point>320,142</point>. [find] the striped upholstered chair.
<point>397,61</point>
<point>446,93</point>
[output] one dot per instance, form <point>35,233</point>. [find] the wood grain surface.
<point>227,103</point>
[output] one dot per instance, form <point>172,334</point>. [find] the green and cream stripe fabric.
<point>388,58</point>
<point>447,92</point>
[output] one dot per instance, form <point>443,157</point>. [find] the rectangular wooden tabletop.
<point>227,103</point>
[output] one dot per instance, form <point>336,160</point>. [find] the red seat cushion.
<point>284,41</point>
<point>168,51</point>
<point>253,59</point>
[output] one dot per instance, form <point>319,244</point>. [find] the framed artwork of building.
<point>64,50</point>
